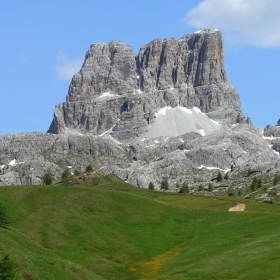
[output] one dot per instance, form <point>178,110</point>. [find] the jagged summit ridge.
<point>116,89</point>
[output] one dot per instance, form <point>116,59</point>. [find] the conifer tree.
<point>48,179</point>
<point>219,177</point>
<point>164,185</point>
<point>4,219</point>
<point>210,187</point>
<point>184,188</point>
<point>7,271</point>
<point>151,186</point>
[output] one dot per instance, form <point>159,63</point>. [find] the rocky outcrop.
<point>26,158</point>
<point>121,91</point>
<point>196,159</point>
<point>192,158</point>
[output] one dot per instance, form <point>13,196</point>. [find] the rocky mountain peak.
<point>107,68</point>
<point>166,113</point>
<point>120,92</point>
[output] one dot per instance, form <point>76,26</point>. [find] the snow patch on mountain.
<point>173,122</point>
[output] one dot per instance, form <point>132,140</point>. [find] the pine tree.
<point>184,188</point>
<point>239,193</point>
<point>66,175</point>
<point>219,177</point>
<point>210,187</point>
<point>4,219</point>
<point>151,186</point>
<point>254,184</point>
<point>7,271</point>
<point>276,180</point>
<point>164,185</point>
<point>48,179</point>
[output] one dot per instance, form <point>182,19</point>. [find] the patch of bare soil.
<point>238,207</point>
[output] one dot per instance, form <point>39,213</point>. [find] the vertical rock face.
<point>195,60</point>
<point>107,68</point>
<point>118,91</point>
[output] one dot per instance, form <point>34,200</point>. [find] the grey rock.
<point>26,158</point>
<point>195,159</point>
<point>272,131</point>
<point>117,90</point>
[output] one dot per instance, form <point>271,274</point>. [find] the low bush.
<point>4,218</point>
<point>164,185</point>
<point>66,175</point>
<point>276,180</point>
<point>151,186</point>
<point>7,271</point>
<point>89,168</point>
<point>219,177</point>
<point>210,187</point>
<point>184,188</point>
<point>77,172</point>
<point>48,179</point>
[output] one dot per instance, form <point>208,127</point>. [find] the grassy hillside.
<point>107,229</point>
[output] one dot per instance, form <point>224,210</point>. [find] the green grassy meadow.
<point>115,231</point>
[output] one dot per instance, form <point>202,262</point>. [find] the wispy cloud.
<point>67,67</point>
<point>254,22</point>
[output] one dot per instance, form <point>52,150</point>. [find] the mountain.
<point>166,113</point>
<point>117,89</point>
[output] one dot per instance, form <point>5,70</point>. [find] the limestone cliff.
<point>121,91</point>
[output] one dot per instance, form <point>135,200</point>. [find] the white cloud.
<point>67,67</point>
<point>254,22</point>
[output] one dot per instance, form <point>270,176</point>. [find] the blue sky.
<point>44,42</point>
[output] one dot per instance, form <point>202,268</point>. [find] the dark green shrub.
<point>77,172</point>
<point>48,179</point>
<point>164,185</point>
<point>200,188</point>
<point>210,187</point>
<point>219,177</point>
<point>250,172</point>
<point>184,188</point>
<point>239,193</point>
<point>256,183</point>
<point>4,218</point>
<point>231,192</point>
<point>66,175</point>
<point>151,186</point>
<point>268,201</point>
<point>226,176</point>
<point>7,271</point>
<point>276,180</point>
<point>89,168</point>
